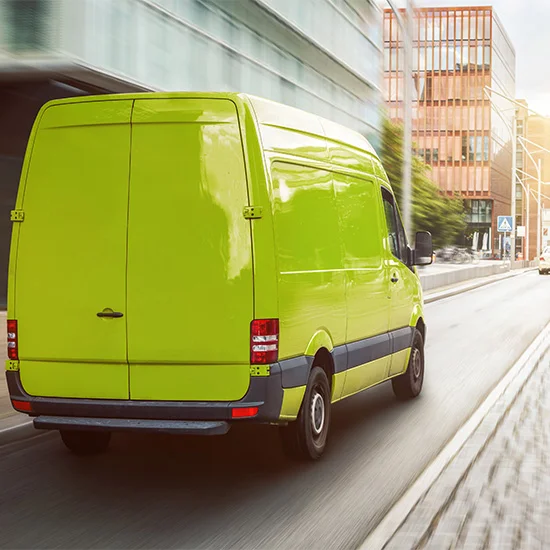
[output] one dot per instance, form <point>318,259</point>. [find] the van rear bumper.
<point>187,427</point>
<point>264,392</point>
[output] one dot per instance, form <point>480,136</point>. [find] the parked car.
<point>544,261</point>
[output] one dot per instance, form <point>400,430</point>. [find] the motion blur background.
<point>341,59</point>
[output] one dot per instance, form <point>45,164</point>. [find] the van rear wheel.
<point>306,437</point>
<point>409,384</point>
<point>82,442</point>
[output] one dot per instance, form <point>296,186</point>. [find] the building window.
<point>475,148</point>
<point>478,211</point>
<point>28,24</point>
<point>519,193</point>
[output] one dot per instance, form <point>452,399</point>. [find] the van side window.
<point>391,223</point>
<point>402,236</point>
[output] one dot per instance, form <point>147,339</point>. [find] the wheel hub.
<point>416,364</point>
<point>317,413</point>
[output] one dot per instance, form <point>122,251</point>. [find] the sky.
<point>527,23</point>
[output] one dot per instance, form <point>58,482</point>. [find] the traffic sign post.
<point>504,225</point>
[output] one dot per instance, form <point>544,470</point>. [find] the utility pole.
<point>539,174</point>
<point>528,214</point>
<point>407,119</point>
<point>514,184</point>
<point>406,26</point>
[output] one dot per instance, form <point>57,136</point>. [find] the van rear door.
<point>70,253</point>
<point>190,296</point>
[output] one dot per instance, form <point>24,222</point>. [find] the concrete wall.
<point>440,280</point>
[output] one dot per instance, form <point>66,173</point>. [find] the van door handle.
<point>113,314</point>
<point>394,279</point>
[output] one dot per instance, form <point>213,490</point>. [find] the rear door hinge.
<point>17,215</point>
<point>253,212</point>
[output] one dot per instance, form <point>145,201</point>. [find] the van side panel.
<point>367,278</point>
<point>190,291</point>
<point>367,285</point>
<point>266,305</point>
<point>307,235</point>
<point>71,252</point>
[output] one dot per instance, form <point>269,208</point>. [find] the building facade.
<point>458,54</point>
<point>323,56</point>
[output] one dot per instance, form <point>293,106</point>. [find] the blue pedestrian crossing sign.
<point>504,224</point>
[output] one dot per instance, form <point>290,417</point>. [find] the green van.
<point>184,262</point>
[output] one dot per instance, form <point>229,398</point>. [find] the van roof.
<point>268,112</point>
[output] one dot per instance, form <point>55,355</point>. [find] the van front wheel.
<point>306,437</point>
<point>82,442</point>
<point>409,384</point>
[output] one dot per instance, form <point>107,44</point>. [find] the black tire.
<point>306,437</point>
<point>84,443</point>
<point>409,384</point>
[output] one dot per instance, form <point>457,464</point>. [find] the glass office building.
<point>458,55</point>
<point>323,56</point>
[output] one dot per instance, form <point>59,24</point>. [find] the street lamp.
<point>529,192</point>
<point>540,149</point>
<point>522,141</point>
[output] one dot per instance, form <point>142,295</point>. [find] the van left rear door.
<point>70,253</point>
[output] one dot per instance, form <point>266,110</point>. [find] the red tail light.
<point>244,412</point>
<point>13,351</point>
<point>264,341</point>
<point>21,406</point>
<point>541,258</point>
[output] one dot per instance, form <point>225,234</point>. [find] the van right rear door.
<point>190,294</point>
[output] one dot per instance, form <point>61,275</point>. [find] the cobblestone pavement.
<point>503,499</point>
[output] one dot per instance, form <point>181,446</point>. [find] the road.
<point>238,491</point>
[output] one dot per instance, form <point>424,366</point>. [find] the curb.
<point>436,296</point>
<point>24,430</point>
<point>463,449</point>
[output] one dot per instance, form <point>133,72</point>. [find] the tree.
<point>443,216</point>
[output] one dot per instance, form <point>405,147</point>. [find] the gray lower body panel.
<point>189,427</point>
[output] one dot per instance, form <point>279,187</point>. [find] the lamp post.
<point>538,166</point>
<point>538,199</point>
<point>539,209</point>
<point>406,24</point>
<point>522,141</point>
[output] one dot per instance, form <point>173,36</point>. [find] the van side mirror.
<point>423,249</point>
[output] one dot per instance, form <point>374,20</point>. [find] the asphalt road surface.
<point>238,491</point>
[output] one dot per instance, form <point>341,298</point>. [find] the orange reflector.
<point>21,406</point>
<point>244,412</point>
